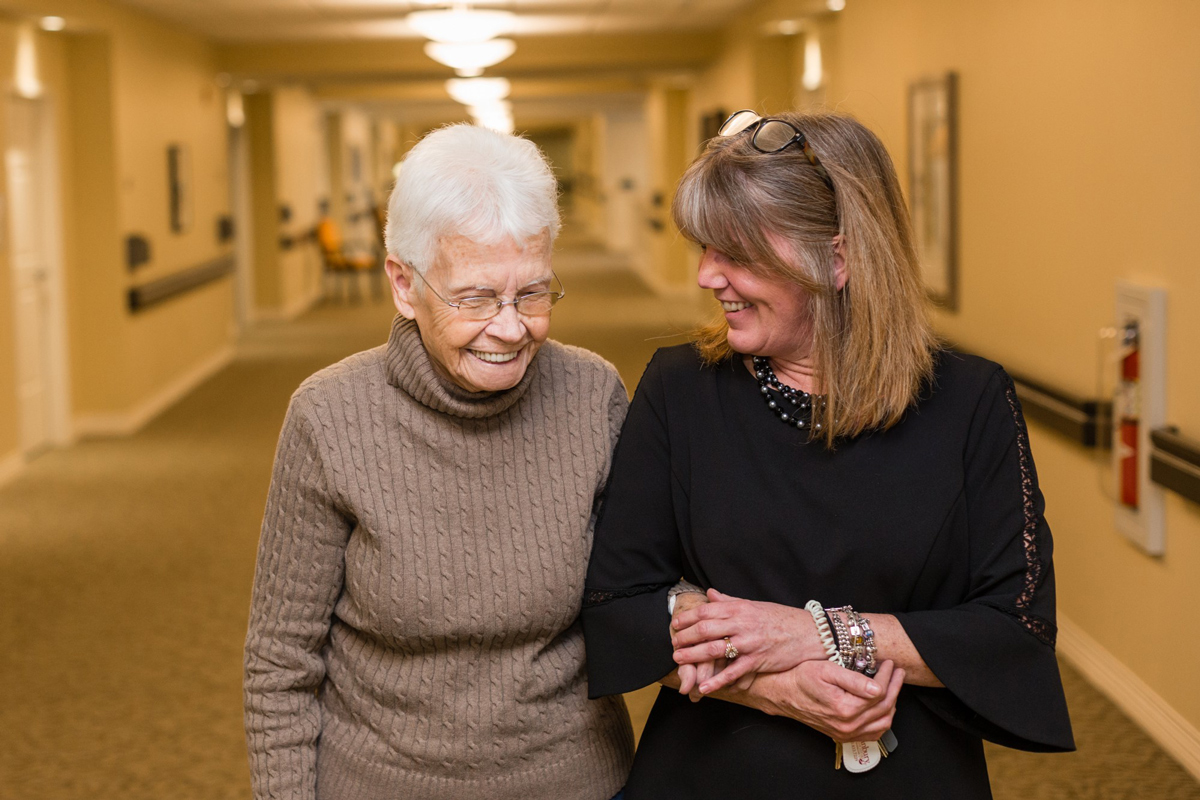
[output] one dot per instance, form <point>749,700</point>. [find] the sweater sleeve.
<point>297,580</point>
<point>618,407</point>
<point>994,652</point>
<point>636,555</point>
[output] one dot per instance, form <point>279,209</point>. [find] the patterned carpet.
<point>125,570</point>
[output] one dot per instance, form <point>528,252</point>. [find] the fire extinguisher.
<point>1127,415</point>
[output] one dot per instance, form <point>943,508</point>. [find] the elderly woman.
<point>414,629</point>
<point>860,505</point>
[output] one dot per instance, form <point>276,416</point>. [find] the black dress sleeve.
<point>636,554</point>
<point>994,652</point>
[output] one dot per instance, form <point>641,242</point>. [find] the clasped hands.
<point>781,667</point>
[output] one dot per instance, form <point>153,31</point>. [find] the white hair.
<point>464,180</point>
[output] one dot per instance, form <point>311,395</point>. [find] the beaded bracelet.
<point>855,640</point>
<point>864,644</point>
<point>869,637</point>
<point>851,643</point>
<point>842,633</point>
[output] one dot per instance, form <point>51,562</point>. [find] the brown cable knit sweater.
<point>414,628</point>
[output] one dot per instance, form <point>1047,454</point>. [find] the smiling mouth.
<point>495,358</point>
<point>729,308</point>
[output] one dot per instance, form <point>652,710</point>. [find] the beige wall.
<point>360,191</point>
<point>300,184</point>
<point>1078,167</point>
<point>264,209</point>
<point>386,135</point>
<point>95,271</point>
<point>668,130</point>
<point>9,424</point>
<point>285,134</point>
<point>165,94</point>
<point>122,88</point>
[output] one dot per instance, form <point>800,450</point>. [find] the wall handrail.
<point>1175,462</point>
<point>1086,421</point>
<point>157,291</point>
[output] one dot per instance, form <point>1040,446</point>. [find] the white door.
<point>30,261</point>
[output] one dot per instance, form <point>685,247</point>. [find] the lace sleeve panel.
<point>1031,533</point>
<point>598,597</point>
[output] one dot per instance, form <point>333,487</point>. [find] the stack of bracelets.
<point>846,636</point>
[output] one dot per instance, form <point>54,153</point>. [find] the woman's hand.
<point>769,637</point>
<point>840,703</point>
<point>693,674</point>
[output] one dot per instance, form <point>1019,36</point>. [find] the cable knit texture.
<point>414,628</point>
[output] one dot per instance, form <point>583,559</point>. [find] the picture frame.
<point>933,183</point>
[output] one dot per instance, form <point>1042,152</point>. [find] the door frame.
<point>48,171</point>
<point>240,209</point>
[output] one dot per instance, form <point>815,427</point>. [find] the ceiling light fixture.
<point>495,108</point>
<point>835,5</point>
<point>497,117</point>
<point>478,91</point>
<point>469,59</point>
<point>53,24</point>
<point>460,24</point>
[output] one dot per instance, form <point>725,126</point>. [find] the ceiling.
<point>312,20</point>
<point>572,55</point>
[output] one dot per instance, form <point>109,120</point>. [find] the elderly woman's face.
<point>489,355</point>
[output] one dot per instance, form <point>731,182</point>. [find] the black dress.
<point>937,521</point>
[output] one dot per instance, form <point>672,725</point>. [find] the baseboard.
<point>11,466</point>
<point>1131,694</point>
<point>290,311</point>
<point>126,423</point>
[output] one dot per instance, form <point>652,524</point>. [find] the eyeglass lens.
<point>738,123</point>
<point>537,304</point>
<point>774,135</point>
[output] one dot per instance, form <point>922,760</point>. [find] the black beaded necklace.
<point>792,406</point>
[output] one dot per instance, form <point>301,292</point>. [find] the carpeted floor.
<point>125,570</point>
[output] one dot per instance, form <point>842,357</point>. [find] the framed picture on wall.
<point>933,183</point>
<point>179,184</point>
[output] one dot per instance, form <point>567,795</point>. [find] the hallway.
<point>125,572</point>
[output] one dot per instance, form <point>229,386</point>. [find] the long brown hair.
<point>872,341</point>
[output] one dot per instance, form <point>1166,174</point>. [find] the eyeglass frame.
<point>798,136</point>
<point>500,304</point>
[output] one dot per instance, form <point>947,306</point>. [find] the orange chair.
<point>347,265</point>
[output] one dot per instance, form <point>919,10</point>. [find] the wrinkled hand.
<point>844,705</point>
<point>693,674</point>
<point>769,637</point>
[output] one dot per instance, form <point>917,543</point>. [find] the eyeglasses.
<point>479,309</point>
<point>772,135</point>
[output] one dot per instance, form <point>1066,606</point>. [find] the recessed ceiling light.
<point>53,23</point>
<point>835,5</point>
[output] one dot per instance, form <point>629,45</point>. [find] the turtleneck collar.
<point>409,369</point>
